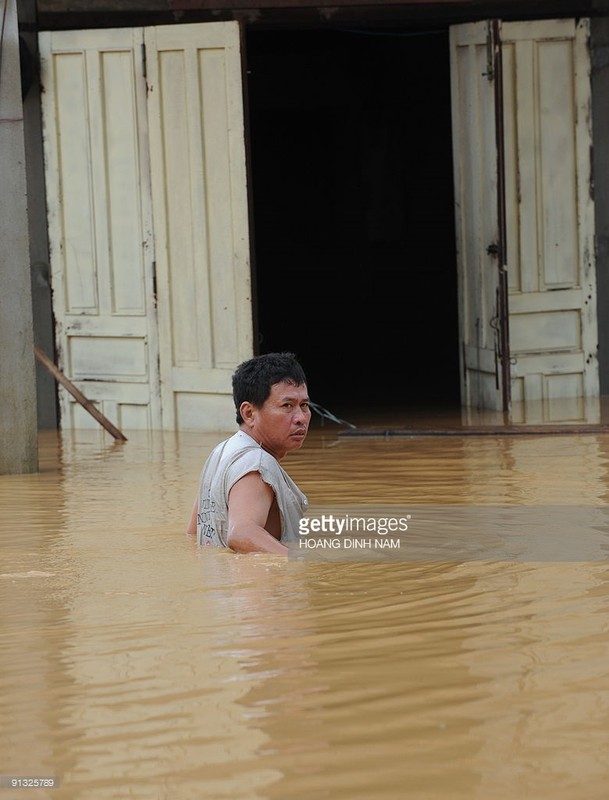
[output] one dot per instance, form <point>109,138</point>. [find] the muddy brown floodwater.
<point>135,665</point>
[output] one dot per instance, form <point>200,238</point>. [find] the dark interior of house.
<point>353,213</point>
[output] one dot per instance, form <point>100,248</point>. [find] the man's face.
<point>282,423</point>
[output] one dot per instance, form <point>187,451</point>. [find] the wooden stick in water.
<point>77,394</point>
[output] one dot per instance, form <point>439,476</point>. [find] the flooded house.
<point>413,197</point>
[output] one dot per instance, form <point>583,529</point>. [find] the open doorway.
<point>353,212</point>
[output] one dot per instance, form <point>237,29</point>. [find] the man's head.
<point>272,402</point>
<point>253,379</point>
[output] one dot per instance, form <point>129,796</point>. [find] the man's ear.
<point>246,409</point>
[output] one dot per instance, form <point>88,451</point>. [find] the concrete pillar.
<point>46,388</point>
<point>18,428</point>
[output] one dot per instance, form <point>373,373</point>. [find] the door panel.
<point>100,224</point>
<point>552,282</point>
<point>201,218</point>
<point>477,228</point>
<point>549,238</point>
<point>111,129</point>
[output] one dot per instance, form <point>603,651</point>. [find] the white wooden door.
<point>549,212</point>
<point>476,218</point>
<point>100,224</point>
<point>123,108</point>
<point>551,264</point>
<point>201,219</point>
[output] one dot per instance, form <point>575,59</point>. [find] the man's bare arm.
<point>249,503</point>
<point>192,522</point>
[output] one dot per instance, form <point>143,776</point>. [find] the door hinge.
<point>154,284</point>
<point>144,64</point>
<point>491,44</point>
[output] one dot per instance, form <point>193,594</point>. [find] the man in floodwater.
<point>246,500</point>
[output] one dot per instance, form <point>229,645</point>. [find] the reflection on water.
<point>135,665</point>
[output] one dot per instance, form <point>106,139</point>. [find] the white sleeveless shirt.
<point>226,464</point>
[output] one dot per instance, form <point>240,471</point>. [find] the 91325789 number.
<point>28,782</point>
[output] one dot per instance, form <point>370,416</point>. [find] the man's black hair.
<point>253,379</point>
